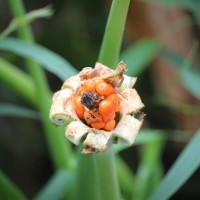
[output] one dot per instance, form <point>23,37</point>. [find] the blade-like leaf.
<point>190,76</point>
<point>10,110</point>
<point>144,137</point>
<point>191,80</point>
<point>56,187</point>
<point>19,81</point>
<point>148,136</point>
<point>186,164</point>
<point>139,55</point>
<point>192,5</point>
<point>48,59</point>
<point>26,19</point>
<point>125,177</point>
<point>150,160</point>
<point>8,190</point>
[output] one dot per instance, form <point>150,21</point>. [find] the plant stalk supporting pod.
<point>111,44</point>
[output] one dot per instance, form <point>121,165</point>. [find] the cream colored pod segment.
<point>62,109</point>
<point>60,112</point>
<point>129,126</point>
<point>96,141</point>
<point>76,131</point>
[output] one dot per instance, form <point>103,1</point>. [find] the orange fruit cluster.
<point>97,104</point>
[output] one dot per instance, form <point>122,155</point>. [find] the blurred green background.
<point>75,31</point>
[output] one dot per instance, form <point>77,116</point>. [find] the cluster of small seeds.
<point>97,104</point>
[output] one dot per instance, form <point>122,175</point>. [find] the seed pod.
<point>123,98</point>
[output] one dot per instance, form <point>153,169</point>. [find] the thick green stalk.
<point>59,148</point>
<point>106,175</point>
<point>8,190</point>
<point>111,45</point>
<point>86,183</point>
<point>109,55</point>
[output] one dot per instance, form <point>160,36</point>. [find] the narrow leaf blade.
<point>10,110</point>
<point>139,55</point>
<point>186,164</point>
<point>56,186</point>
<point>143,137</point>
<point>192,5</point>
<point>51,61</point>
<point>190,76</point>
<point>191,80</point>
<point>8,190</point>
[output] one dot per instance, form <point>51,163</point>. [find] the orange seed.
<point>105,107</point>
<point>109,125</point>
<point>104,88</point>
<point>98,125</point>
<point>88,86</point>
<point>92,117</point>
<point>109,116</point>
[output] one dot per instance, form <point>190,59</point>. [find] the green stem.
<point>59,148</point>
<point>9,191</point>
<point>109,55</point>
<point>111,45</point>
<point>106,175</point>
<point>86,187</point>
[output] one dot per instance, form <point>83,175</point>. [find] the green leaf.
<point>10,75</point>
<point>139,55</point>
<point>190,75</point>
<point>186,164</point>
<point>192,5</point>
<point>56,187</point>
<point>172,56</point>
<point>26,19</point>
<point>143,137</point>
<point>191,80</point>
<point>8,190</point>
<point>48,59</point>
<point>125,177</point>
<point>146,136</point>
<point>147,178</point>
<point>10,110</point>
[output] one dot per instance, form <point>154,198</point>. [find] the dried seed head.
<point>100,107</point>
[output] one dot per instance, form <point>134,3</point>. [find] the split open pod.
<point>100,107</point>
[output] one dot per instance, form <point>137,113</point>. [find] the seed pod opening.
<point>100,106</point>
